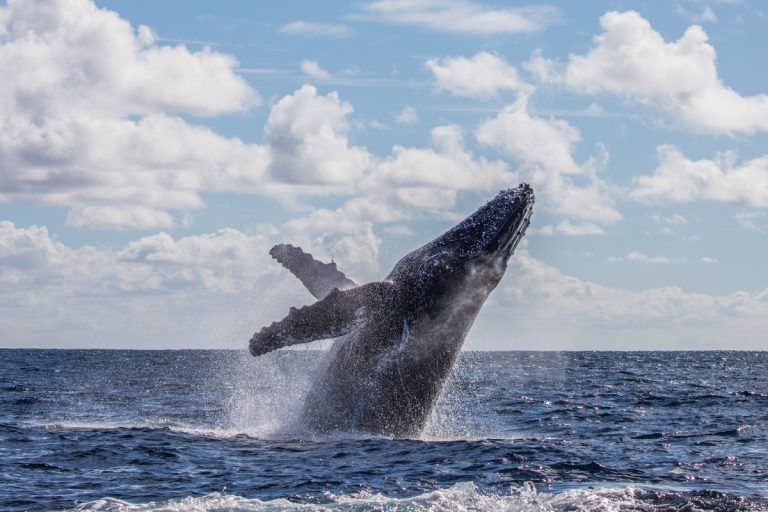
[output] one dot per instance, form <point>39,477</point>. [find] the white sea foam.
<point>464,497</point>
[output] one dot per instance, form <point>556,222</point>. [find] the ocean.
<point>114,430</point>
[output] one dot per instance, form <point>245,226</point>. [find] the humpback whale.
<point>397,339</point>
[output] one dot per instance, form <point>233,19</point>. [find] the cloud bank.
<point>161,279</point>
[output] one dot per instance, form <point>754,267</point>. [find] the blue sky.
<point>152,153</point>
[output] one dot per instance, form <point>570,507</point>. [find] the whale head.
<point>448,280</point>
<point>489,235</point>
<point>475,249</point>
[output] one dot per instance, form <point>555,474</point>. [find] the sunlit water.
<point>219,430</point>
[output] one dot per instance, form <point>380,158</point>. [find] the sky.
<point>151,153</point>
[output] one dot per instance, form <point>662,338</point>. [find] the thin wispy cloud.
<point>459,16</point>
<point>316,29</point>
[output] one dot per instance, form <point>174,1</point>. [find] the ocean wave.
<point>464,497</point>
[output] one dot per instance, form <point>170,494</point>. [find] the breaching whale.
<point>398,338</point>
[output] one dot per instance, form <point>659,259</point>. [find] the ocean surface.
<point>219,430</point>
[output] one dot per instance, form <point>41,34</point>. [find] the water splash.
<point>266,395</point>
<point>265,398</point>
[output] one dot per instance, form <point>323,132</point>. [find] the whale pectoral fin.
<point>330,317</point>
<point>318,277</point>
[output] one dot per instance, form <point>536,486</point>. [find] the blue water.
<point>219,430</point>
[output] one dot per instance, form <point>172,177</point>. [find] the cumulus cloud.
<point>87,117</point>
<point>482,76</point>
<point>460,16</point>
<point>30,254</point>
<point>535,141</point>
<point>307,135</point>
<point>557,295</point>
<point>336,235</point>
<point>564,312</point>
<point>224,261</point>
<point>222,286</point>
<point>89,121</point>
<point>316,29</point>
<point>407,116</point>
<point>678,78</point>
<point>544,147</point>
<point>679,179</point>
<point>69,55</point>
<point>410,183</point>
<point>430,178</point>
<point>543,69</point>
<point>313,69</point>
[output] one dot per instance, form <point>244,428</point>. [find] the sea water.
<point>220,430</point>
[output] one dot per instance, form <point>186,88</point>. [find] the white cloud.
<point>747,220</point>
<point>708,260</point>
<point>482,76</point>
<point>85,117</point>
<point>66,55</point>
<point>222,286</point>
<point>431,178</point>
<point>26,252</point>
<point>544,147</point>
<point>117,217</point>
<point>316,29</point>
<point>335,235</point>
<point>307,134</point>
<point>564,312</point>
<point>674,219</point>
<point>566,227</point>
<point>377,125</point>
<point>533,140</point>
<point>407,116</point>
<point>707,15</point>
<point>644,258</point>
<point>399,230</point>
<point>410,183</point>
<point>460,16</point>
<point>679,179</point>
<point>313,69</point>
<point>679,78</point>
<point>225,261</point>
<point>543,69</point>
<point>86,123</point>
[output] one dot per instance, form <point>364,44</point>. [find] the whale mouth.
<point>519,218</point>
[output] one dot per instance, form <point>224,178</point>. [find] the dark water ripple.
<point>216,430</point>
